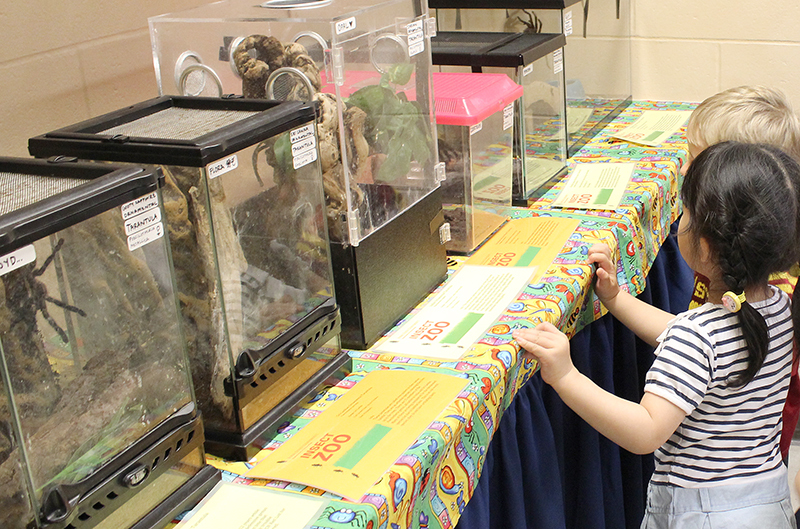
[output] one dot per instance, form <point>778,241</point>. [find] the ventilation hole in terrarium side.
<point>98,506</point>
<point>167,453</point>
<point>316,337</point>
<point>272,370</point>
<point>180,444</point>
<point>70,526</point>
<point>280,363</point>
<point>263,377</point>
<point>253,384</point>
<point>155,463</point>
<point>308,342</point>
<point>191,436</point>
<point>113,495</point>
<point>84,516</point>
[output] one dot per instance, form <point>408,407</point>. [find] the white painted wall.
<point>62,62</point>
<point>689,49</point>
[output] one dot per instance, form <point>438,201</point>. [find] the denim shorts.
<point>761,504</point>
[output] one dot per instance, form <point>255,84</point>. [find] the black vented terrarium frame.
<point>479,50</point>
<point>119,184</point>
<point>501,4</point>
<point>86,503</point>
<point>85,140</point>
<point>253,370</point>
<point>491,49</point>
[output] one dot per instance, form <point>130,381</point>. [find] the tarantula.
<point>533,24</point>
<point>29,296</point>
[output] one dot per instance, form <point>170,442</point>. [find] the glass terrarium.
<point>367,65</point>
<point>15,506</point>
<point>533,61</point>
<point>92,352</point>
<point>474,124</point>
<point>597,57</point>
<point>246,216</point>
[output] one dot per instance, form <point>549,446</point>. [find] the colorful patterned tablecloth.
<point>431,483</point>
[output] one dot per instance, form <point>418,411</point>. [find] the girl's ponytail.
<point>754,329</point>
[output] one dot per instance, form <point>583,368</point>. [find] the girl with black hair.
<point>713,397</point>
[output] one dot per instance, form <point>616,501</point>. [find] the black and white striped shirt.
<point>729,435</point>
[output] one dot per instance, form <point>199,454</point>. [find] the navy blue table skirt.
<point>545,467</point>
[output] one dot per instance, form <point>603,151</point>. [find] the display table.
<point>544,467</point>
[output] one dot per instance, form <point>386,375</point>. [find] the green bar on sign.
<point>462,327</point>
<point>527,258</point>
<point>653,135</point>
<point>485,182</point>
<point>357,452</point>
<point>603,196</point>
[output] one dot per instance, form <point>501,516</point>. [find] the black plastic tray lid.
<point>487,48</point>
<point>42,197</point>
<point>175,130</point>
<point>500,4</point>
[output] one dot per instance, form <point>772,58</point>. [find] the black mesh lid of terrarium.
<point>42,197</point>
<point>500,4</point>
<point>173,130</point>
<point>485,48</point>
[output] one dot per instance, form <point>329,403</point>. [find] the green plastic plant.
<point>395,126</point>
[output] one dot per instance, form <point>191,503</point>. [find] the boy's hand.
<point>550,347</point>
<point>605,285</point>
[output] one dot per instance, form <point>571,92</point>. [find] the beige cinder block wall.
<point>63,62</point>
<point>689,49</point>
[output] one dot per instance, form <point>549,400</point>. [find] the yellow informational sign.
<point>351,445</point>
<point>654,127</point>
<point>529,242</point>
<point>595,185</point>
<point>242,507</point>
<point>449,322</point>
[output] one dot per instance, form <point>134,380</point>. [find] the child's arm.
<point>639,428</point>
<point>645,320</point>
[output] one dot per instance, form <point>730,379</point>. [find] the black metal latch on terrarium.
<point>256,369</point>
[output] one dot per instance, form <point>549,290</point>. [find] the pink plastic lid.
<point>469,98</point>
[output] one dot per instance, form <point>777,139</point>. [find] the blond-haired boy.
<point>748,114</point>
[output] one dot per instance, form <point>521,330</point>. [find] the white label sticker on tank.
<point>345,25</point>
<point>302,133</point>
<point>416,38</point>
<point>568,23</point>
<point>304,159</point>
<point>222,166</point>
<point>17,258</point>
<point>413,49</point>
<point>558,60</point>
<point>508,116</point>
<point>414,31</point>
<point>527,70</point>
<point>139,206</point>
<point>147,235</point>
<point>140,222</point>
<point>475,128</point>
<point>302,146</point>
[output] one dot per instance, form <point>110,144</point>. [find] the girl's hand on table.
<point>605,284</point>
<point>550,347</point>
